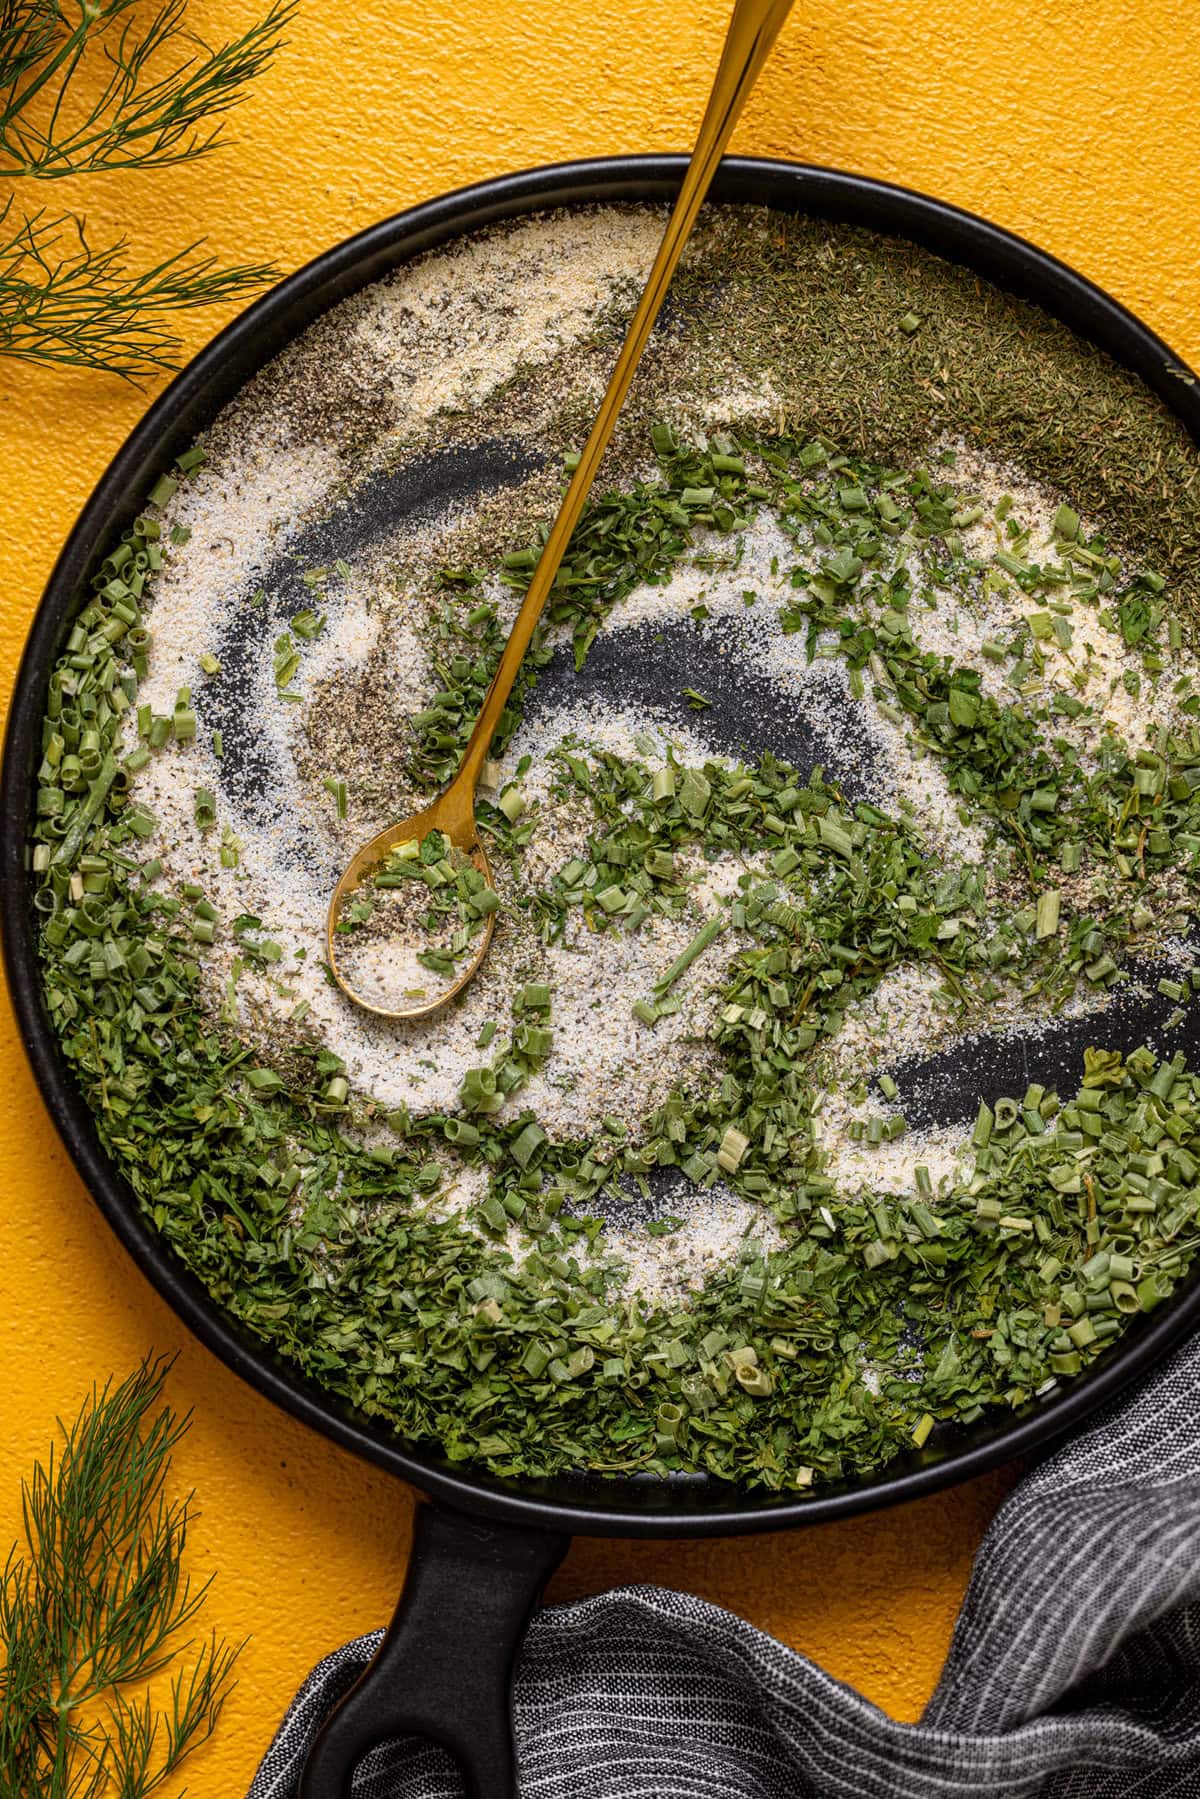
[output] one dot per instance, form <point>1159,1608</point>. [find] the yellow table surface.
<point>1073,124</point>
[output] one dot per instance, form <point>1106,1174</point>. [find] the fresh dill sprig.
<point>141,112</point>
<point>92,86</point>
<point>95,1605</point>
<point>61,301</point>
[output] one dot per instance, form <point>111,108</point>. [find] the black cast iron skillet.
<point>483,1548</point>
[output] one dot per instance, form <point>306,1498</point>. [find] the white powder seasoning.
<point>905,1014</point>
<point>711,1230</point>
<point>386,971</point>
<point>1096,667</point>
<point>889,1167</point>
<point>448,338</point>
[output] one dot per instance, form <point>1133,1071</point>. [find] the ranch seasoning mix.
<point>830,1076</point>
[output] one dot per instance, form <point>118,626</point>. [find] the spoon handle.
<point>753,28</point>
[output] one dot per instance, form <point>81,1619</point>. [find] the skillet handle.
<point>444,1670</point>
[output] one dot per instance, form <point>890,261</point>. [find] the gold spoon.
<point>753,28</point>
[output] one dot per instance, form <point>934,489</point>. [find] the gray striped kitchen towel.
<point>1074,1672</point>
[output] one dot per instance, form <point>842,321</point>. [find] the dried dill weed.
<point>829,1072</point>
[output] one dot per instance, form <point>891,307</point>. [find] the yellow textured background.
<point>1074,124</point>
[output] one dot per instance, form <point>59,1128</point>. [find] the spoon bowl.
<point>455,820</point>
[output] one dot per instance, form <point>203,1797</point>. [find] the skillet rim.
<point>583,1505</point>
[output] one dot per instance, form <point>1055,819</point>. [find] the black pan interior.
<point>642,666</point>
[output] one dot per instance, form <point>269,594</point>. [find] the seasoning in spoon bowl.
<point>404,934</point>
